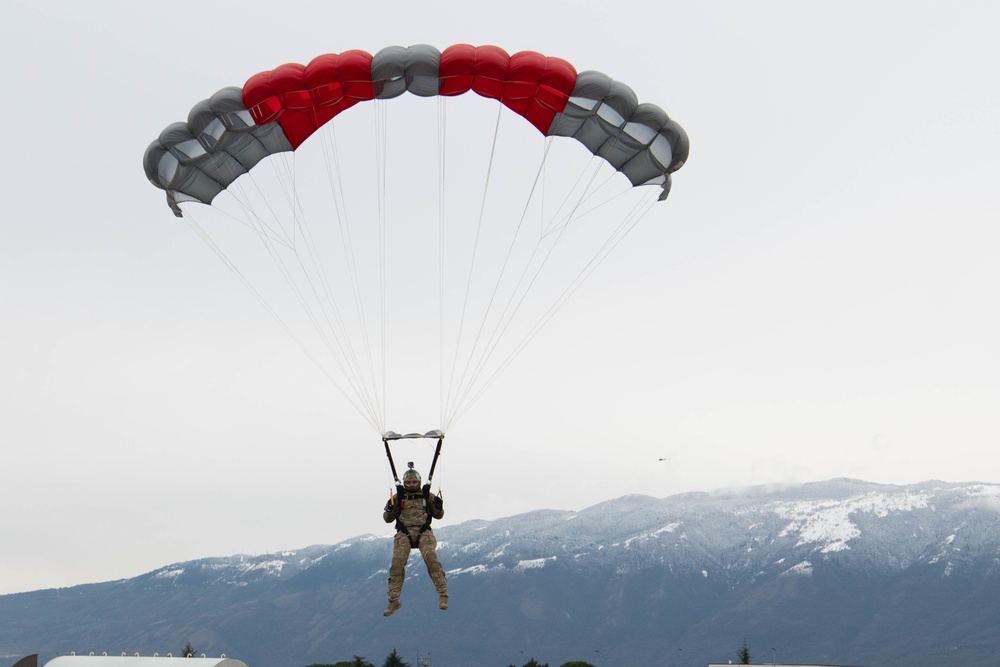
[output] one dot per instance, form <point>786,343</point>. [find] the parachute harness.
<point>424,494</point>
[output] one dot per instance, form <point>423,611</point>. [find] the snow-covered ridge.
<point>828,522</point>
<point>169,573</point>
<point>742,535</point>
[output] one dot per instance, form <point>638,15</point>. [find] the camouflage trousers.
<point>401,554</point>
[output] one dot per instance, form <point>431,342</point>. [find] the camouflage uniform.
<point>415,511</point>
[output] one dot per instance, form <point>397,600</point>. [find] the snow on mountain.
<point>733,533</point>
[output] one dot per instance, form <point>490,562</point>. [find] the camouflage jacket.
<point>414,509</point>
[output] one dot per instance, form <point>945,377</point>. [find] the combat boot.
<point>443,601</point>
<point>393,606</point>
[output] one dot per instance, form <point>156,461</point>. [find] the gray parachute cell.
<point>196,160</point>
<point>398,69</point>
<point>639,140</point>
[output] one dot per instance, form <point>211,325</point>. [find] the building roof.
<point>140,661</point>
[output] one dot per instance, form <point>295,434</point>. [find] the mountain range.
<point>841,572</point>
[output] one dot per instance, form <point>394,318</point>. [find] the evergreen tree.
<point>535,663</point>
<point>576,663</point>
<point>359,661</point>
<point>393,660</point>
<point>188,651</point>
<point>744,653</point>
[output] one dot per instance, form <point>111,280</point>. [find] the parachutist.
<point>413,507</point>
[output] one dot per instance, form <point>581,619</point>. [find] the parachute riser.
<point>434,462</point>
<point>392,464</point>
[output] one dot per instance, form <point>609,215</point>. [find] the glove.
<point>426,490</point>
<point>438,501</point>
<point>394,507</point>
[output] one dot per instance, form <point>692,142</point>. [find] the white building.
<point>140,661</point>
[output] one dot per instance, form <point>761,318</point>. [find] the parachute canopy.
<point>228,134</point>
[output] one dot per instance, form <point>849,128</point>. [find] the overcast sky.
<point>816,299</point>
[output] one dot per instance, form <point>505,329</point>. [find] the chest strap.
<point>423,497</point>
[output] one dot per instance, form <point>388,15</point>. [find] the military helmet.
<point>411,475</point>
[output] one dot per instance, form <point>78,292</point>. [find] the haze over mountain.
<point>837,572</point>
